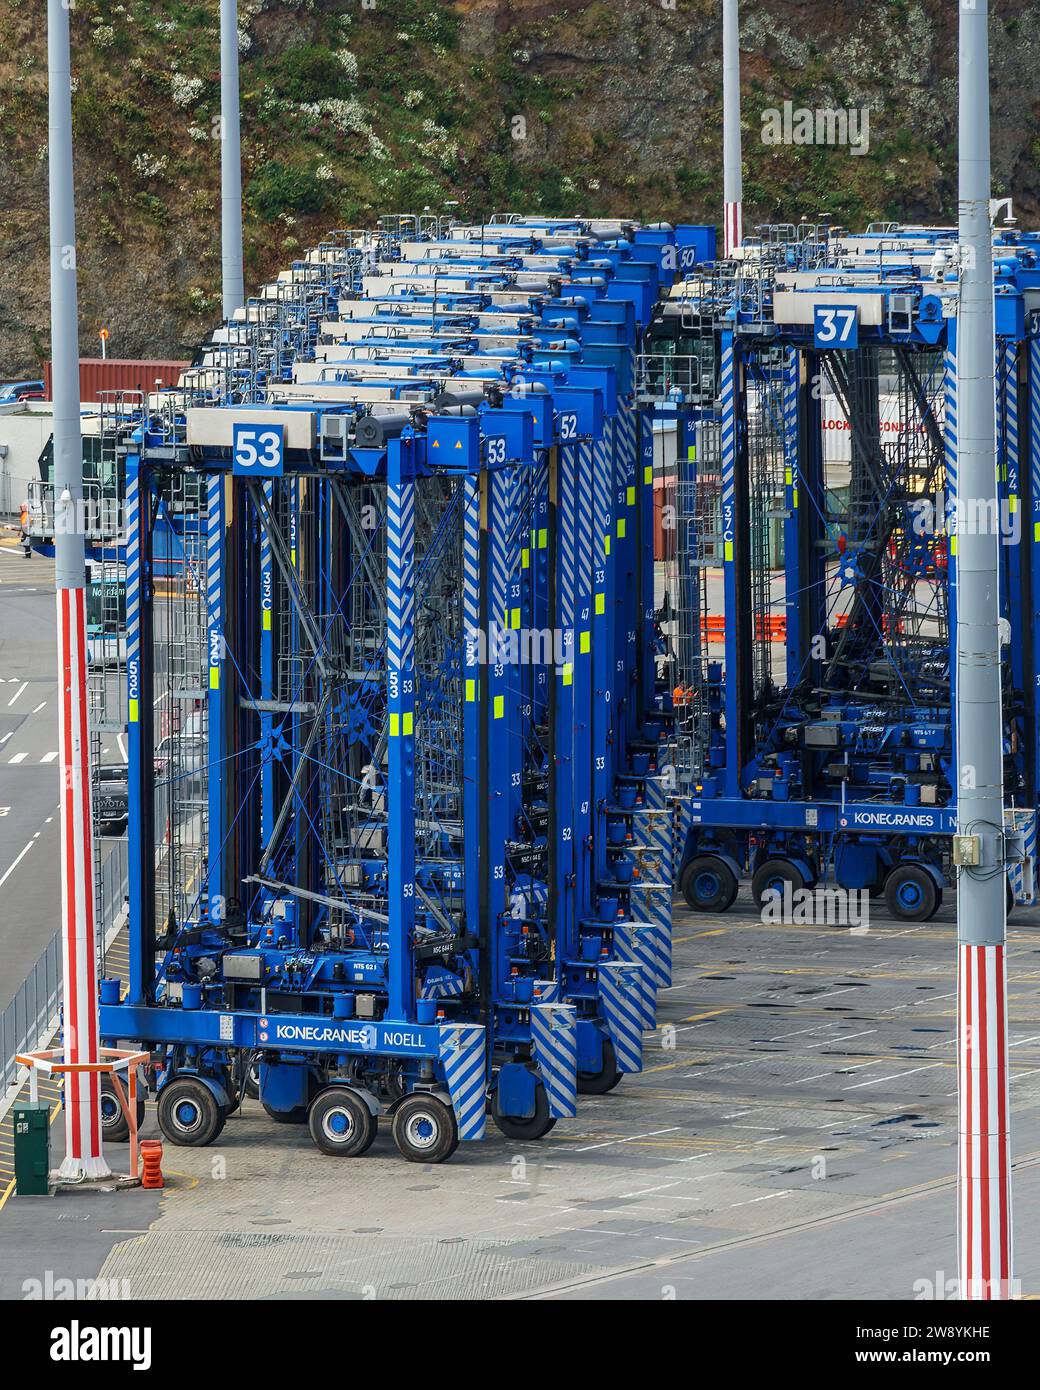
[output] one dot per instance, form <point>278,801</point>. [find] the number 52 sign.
<point>835,326</point>
<point>258,451</point>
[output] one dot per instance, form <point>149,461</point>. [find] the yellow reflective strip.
<point>631,495</point>
<point>134,709</point>
<point>601,603</point>
<point>794,497</point>
<point>525,558</point>
<point>543,538</point>
<point>471,691</point>
<point>584,642</point>
<point>953,545</point>
<point>214,678</point>
<point>409,722</point>
<point>727,550</point>
<point>516,618</point>
<point>1012,502</point>
<point>266,620</point>
<point>500,706</point>
<point>788,476</point>
<point>648,474</point>
<point>395,725</point>
<point>621,528</point>
<point>567,672</point>
<point>606,544</point>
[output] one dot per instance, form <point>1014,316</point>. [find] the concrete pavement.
<point>792,1136</point>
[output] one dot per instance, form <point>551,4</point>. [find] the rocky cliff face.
<point>356,107</point>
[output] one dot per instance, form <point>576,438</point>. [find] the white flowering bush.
<point>185,90</point>
<point>149,166</point>
<point>348,62</point>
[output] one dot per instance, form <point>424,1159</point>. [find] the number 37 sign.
<point>258,451</point>
<point>835,326</point>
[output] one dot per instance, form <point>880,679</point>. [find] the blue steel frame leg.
<point>400,699</point>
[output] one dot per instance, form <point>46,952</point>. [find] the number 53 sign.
<point>835,326</point>
<point>258,451</point>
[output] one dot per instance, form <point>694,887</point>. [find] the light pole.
<point>232,281</point>
<point>83,1156</point>
<point>732,180</point>
<point>984,1162</point>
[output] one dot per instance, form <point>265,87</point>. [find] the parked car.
<point>21,391</point>
<point>111,799</point>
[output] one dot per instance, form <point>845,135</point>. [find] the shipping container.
<point>97,374</point>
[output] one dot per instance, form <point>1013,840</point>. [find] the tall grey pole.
<point>232,282</point>
<point>83,1157</point>
<point>732,179</point>
<point>984,1178</point>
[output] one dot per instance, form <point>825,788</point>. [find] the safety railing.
<point>30,1018</point>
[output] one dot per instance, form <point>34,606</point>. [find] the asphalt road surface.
<point>29,772</point>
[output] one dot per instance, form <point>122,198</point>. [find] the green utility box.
<point>32,1148</point>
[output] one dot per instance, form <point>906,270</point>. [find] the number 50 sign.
<point>258,451</point>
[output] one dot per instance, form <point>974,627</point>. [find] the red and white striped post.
<point>984,1157</point>
<point>732,177</point>
<point>83,1157</point>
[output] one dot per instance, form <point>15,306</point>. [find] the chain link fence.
<point>31,1017</point>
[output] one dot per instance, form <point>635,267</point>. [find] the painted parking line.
<point>10,870</point>
<point>18,758</point>
<point>21,689</point>
<point>49,757</point>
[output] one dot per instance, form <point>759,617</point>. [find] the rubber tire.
<point>189,1088</point>
<point>1010,901</point>
<point>296,1116</point>
<point>252,1083</point>
<point>930,895</point>
<point>608,1076</point>
<point>772,869</point>
<point>537,1127</point>
<point>726,893</point>
<point>446,1136</point>
<point>364,1125</point>
<point>116,1130</point>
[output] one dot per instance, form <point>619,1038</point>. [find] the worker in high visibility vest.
<point>23,522</point>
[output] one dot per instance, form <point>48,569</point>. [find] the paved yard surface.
<point>792,1136</point>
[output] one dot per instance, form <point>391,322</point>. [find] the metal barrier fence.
<point>29,1018</point>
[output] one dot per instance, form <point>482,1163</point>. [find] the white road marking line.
<point>41,705</point>
<point>122,748</point>
<point>1019,1077</point>
<point>844,1037</point>
<point>7,736</point>
<point>49,757</point>
<point>608,1143</point>
<point>18,758</point>
<point>14,866</point>
<point>24,686</point>
<point>896,1075</point>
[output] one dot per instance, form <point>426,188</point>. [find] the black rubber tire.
<point>189,1091</point>
<point>537,1127</point>
<point>697,878</point>
<point>916,880</point>
<point>114,1128</point>
<point>415,1112</point>
<point>608,1076</point>
<point>1010,900</point>
<point>252,1078</point>
<point>296,1116</point>
<point>360,1126</point>
<point>768,874</point>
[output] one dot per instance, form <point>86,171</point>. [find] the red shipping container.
<point>97,374</point>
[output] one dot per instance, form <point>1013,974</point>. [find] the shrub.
<point>277,188</point>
